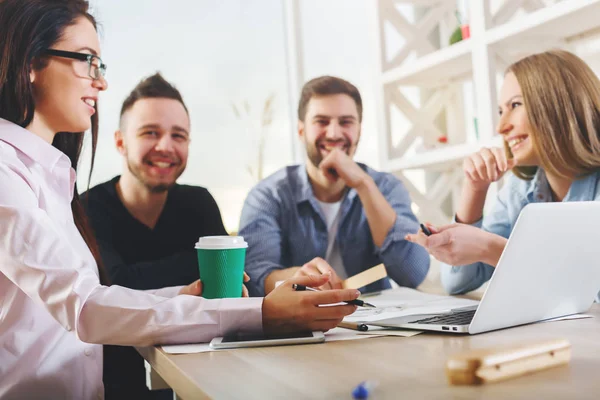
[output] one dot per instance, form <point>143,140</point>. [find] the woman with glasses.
<point>55,307</point>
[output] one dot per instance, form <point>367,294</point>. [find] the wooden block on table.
<point>491,365</point>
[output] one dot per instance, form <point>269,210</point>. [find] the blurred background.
<point>228,58</point>
<point>428,70</point>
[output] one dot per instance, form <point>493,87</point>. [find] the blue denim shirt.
<point>285,227</point>
<point>513,196</point>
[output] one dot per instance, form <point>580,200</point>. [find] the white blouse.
<point>54,314</point>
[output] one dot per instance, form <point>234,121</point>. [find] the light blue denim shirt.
<point>513,196</point>
<point>284,227</point>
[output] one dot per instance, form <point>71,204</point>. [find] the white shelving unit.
<point>555,24</point>
<point>434,69</point>
<point>443,158</point>
<point>502,31</point>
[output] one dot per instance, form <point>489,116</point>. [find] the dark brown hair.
<point>325,86</point>
<point>154,86</point>
<point>27,28</point>
<point>561,95</point>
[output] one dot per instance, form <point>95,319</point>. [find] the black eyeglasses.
<point>96,68</point>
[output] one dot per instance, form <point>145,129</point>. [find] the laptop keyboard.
<point>456,318</point>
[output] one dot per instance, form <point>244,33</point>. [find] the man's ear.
<point>300,129</point>
<point>120,142</point>
<point>358,137</point>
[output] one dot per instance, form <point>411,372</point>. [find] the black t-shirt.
<point>138,257</point>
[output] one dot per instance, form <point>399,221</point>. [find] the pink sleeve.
<point>170,291</point>
<point>47,267</point>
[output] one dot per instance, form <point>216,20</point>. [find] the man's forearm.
<point>380,214</point>
<point>278,275</point>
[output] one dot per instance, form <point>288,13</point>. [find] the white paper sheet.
<point>338,334</point>
<point>188,348</point>
<point>574,316</point>
<point>391,303</point>
<point>402,302</point>
<point>333,335</point>
<point>381,331</point>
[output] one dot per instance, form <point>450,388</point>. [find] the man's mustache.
<point>162,158</point>
<point>326,142</point>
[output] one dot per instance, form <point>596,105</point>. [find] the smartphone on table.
<point>239,340</point>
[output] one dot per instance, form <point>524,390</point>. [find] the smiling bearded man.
<point>333,215</point>
<point>145,223</point>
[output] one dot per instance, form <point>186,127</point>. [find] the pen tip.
<point>370,305</point>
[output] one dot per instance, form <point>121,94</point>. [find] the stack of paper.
<point>403,302</point>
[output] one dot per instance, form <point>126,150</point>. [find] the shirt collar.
<point>539,189</point>
<point>583,189</point>
<point>304,189</point>
<point>31,145</point>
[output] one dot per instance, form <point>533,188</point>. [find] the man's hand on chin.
<point>339,165</point>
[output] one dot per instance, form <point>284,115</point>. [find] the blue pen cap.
<point>363,390</point>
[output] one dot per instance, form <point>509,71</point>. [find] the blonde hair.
<point>561,95</point>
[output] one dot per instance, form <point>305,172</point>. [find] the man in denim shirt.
<point>333,215</point>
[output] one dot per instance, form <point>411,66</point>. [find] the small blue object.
<point>363,390</point>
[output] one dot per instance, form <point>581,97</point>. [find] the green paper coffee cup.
<point>221,261</point>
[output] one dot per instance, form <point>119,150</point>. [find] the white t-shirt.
<point>331,212</point>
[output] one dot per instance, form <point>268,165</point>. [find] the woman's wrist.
<point>470,209</point>
<point>468,220</point>
<point>494,248</point>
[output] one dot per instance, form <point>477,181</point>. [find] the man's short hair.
<point>154,86</point>
<point>325,86</point>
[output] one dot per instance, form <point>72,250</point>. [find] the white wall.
<point>338,40</point>
<point>223,52</point>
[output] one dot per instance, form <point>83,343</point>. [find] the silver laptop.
<point>550,268</point>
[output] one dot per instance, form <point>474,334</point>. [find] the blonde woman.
<point>550,122</point>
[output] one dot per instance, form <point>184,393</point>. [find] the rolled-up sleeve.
<point>406,263</point>
<point>260,227</point>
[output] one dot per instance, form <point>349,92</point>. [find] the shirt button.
<point>540,197</point>
<point>87,352</point>
<point>100,396</point>
<point>68,328</point>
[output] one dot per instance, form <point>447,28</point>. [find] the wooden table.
<point>406,368</point>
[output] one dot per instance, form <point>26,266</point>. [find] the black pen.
<point>356,302</point>
<point>354,325</point>
<point>425,230</point>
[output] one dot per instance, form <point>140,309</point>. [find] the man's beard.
<point>153,188</point>
<point>314,153</point>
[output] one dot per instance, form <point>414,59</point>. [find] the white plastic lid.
<point>221,242</point>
